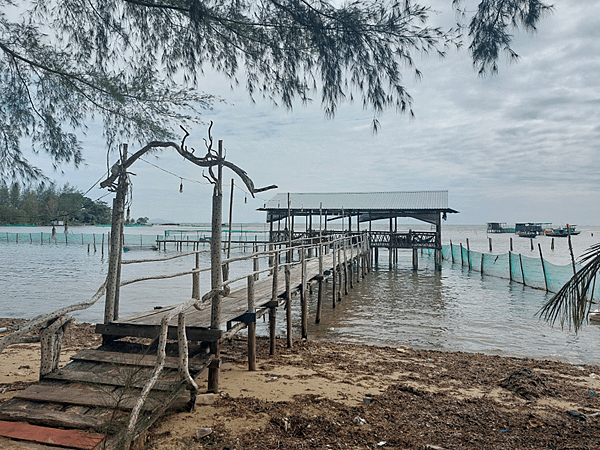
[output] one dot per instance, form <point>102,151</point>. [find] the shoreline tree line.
<point>46,204</point>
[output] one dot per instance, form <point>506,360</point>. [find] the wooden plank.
<point>110,380</point>
<point>85,397</point>
<point>134,359</point>
<point>45,435</point>
<point>51,418</point>
<point>152,331</point>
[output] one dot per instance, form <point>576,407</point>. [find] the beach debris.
<point>269,379</point>
<point>526,384</point>
<point>286,423</point>
<point>381,443</point>
<point>576,414</point>
<point>593,375</point>
<point>592,393</point>
<point>359,421</point>
<point>434,447</point>
<point>203,432</point>
<point>367,399</point>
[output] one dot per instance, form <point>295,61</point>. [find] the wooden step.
<point>64,438</point>
<point>51,418</point>
<point>132,359</point>
<point>123,399</point>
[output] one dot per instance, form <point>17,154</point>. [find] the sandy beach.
<point>328,395</point>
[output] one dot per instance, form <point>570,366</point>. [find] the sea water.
<point>455,309</point>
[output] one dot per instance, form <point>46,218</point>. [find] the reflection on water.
<point>452,310</point>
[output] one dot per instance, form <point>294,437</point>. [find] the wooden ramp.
<point>87,403</point>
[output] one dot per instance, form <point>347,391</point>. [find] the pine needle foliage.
<point>135,65</point>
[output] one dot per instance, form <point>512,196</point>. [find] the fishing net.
<point>533,272</point>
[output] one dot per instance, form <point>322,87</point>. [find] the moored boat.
<point>527,234</point>
<point>562,231</point>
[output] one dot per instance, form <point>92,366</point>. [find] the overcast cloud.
<point>519,146</point>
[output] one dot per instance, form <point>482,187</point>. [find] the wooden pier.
<point>89,402</point>
<point>107,397</point>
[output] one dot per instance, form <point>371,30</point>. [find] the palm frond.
<point>571,305</point>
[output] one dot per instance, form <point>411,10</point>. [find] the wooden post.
<point>251,326</point>
<point>350,266</point>
<point>226,268</point>
<point>288,306</point>
<point>531,241</point>
<point>543,267</point>
<point>482,258</point>
<point>522,273</point>
<point>255,262</point>
<point>452,252</point>
<point>340,272</point>
<point>273,309</point>
<point>390,249</point>
<point>216,272</point>
<point>304,302</point>
<point>469,254</point>
<point>462,261</point>
<point>552,244</point>
<point>333,278</point>
<point>320,281</point>
<point>111,307</point>
<point>196,279</point>
<point>415,259</point>
<point>510,277</point>
<point>490,244</point>
<point>511,246</point>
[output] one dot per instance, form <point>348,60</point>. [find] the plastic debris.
<point>593,375</point>
<point>270,379</point>
<point>592,393</point>
<point>381,443</point>
<point>577,414</point>
<point>359,421</point>
<point>203,432</point>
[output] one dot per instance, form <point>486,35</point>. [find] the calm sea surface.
<point>452,310</point>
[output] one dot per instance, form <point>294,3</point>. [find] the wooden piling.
<point>490,244</point>
<point>251,326</point>
<point>304,302</point>
<point>288,306</point>
<point>273,309</point>
<point>333,278</point>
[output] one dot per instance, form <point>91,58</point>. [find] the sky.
<point>521,146</point>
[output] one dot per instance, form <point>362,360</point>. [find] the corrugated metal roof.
<point>363,201</point>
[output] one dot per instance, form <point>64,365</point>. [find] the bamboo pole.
<point>543,267</point>
<point>522,272</point>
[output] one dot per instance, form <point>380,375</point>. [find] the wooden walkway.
<point>87,403</point>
